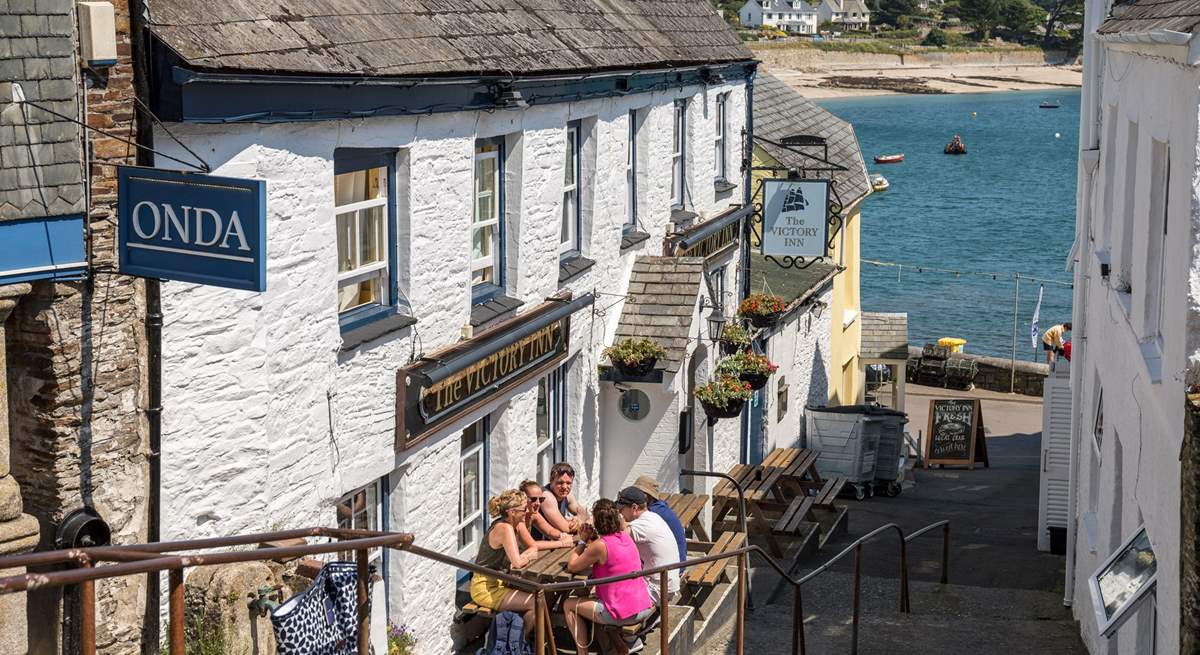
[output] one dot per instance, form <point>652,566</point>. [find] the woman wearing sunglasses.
<point>499,550</point>
<point>535,531</point>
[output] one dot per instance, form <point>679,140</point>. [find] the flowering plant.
<point>723,391</point>
<point>748,363</point>
<point>736,335</point>
<point>762,305</point>
<point>632,352</point>
<point>401,640</point>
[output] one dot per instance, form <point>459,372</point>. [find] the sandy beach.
<point>850,80</point>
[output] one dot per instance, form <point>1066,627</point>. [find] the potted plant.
<point>401,640</point>
<point>751,368</point>
<point>762,309</point>
<point>635,356</point>
<point>723,397</point>
<point>734,339</point>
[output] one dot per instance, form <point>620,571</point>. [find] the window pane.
<point>371,242</point>
<point>569,166</point>
<point>485,207</point>
<point>346,242</point>
<point>357,186</point>
<point>370,291</point>
<point>468,535</point>
<point>545,461</point>
<point>543,414</point>
<point>568,219</point>
<point>472,435</point>
<point>485,175</point>
<point>470,485</point>
<point>676,131</point>
<point>481,241</point>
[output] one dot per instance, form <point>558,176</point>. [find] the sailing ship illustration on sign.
<point>794,201</point>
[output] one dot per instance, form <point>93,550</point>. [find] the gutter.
<point>1156,37</point>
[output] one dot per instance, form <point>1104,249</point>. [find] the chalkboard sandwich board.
<point>955,436</point>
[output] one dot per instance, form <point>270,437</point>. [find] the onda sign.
<point>193,227</point>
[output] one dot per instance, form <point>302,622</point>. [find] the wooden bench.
<point>792,521</point>
<point>471,609</point>
<point>829,492</point>
<point>710,573</point>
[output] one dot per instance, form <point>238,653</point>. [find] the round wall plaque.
<point>635,405</point>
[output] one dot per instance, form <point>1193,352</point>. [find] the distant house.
<point>791,16</point>
<point>846,14</point>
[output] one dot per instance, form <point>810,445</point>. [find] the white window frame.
<point>570,244</point>
<point>494,260</point>
<point>362,273</point>
<point>720,156</point>
<point>373,509</point>
<point>1156,261</point>
<point>478,451</point>
<point>631,172</point>
<point>555,447</point>
<point>679,154</point>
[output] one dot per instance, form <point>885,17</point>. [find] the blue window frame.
<point>487,221</point>
<point>365,215</point>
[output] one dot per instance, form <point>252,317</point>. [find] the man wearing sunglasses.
<point>561,509</point>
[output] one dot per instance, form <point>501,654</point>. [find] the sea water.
<point>1006,207</point>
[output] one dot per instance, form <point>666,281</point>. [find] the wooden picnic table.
<point>689,507</point>
<point>781,495</point>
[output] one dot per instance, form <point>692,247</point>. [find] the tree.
<point>888,12</point>
<point>982,15</point>
<point>1059,13</point>
<point>1020,16</point>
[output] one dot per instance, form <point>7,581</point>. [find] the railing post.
<point>87,617</point>
<point>797,622</point>
<point>904,575</point>
<point>664,624</point>
<point>743,571</point>
<point>176,612</point>
<point>364,602</point>
<point>857,591</point>
<point>946,554</point>
<point>539,623</point>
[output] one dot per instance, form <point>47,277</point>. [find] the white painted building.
<point>1136,337</point>
<point>845,14</point>
<point>791,16</point>
<point>413,225</point>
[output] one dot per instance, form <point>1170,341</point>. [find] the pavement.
<point>1003,594</point>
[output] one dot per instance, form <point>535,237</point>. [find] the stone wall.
<point>77,372</point>
<point>996,373</point>
<point>1189,531</point>
<point>784,55</point>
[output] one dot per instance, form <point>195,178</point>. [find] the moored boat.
<point>1049,104</point>
<point>879,182</point>
<point>956,146</point>
<point>889,159</point>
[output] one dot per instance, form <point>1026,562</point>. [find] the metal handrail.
<point>150,558</point>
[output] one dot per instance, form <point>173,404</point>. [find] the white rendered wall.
<point>267,422</point>
<point>1134,476</point>
<point>801,349</point>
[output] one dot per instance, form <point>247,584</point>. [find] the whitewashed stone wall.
<point>267,422</point>
<point>801,349</point>
<point>1133,477</point>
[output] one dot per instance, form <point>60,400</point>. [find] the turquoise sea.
<point>1008,206</point>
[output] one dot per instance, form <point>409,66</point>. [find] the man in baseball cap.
<point>653,538</point>
<point>649,486</point>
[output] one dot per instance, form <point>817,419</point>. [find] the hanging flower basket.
<point>635,357</point>
<point>735,339</point>
<point>761,309</point>
<point>723,397</point>
<point>751,368</point>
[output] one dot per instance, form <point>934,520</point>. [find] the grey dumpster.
<point>888,460</point>
<point>846,442</point>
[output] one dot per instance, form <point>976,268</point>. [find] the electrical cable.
<point>920,268</point>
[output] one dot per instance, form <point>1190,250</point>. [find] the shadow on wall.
<point>590,430</point>
<point>818,383</point>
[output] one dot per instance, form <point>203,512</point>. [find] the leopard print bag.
<point>323,619</point>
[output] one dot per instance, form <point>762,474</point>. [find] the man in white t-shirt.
<point>653,537</point>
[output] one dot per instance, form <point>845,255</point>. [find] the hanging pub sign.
<point>192,227</point>
<point>711,239</point>
<point>795,218</point>
<point>450,383</point>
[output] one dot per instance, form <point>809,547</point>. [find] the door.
<point>1054,487</point>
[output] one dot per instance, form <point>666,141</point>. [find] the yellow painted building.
<point>780,112</point>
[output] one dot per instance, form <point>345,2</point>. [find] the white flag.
<point>1037,310</point>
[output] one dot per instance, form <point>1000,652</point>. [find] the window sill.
<point>631,238</point>
<point>492,309</point>
<point>1152,355</point>
<point>682,218</point>
<point>848,318</point>
<point>572,266</point>
<point>361,327</point>
<point>724,186</point>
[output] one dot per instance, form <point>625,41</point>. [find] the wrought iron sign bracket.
<point>834,220</point>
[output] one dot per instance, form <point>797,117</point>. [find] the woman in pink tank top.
<point>608,551</point>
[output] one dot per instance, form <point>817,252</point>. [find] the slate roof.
<point>36,50</point>
<point>780,111</point>
<point>884,335</point>
<point>662,300</point>
<point>788,6</point>
<point>787,283</point>
<point>439,37</point>
<point>1143,16</point>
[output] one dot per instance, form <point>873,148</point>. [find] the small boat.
<point>889,159</point>
<point>1049,104</point>
<point>879,182</point>
<point>956,146</point>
